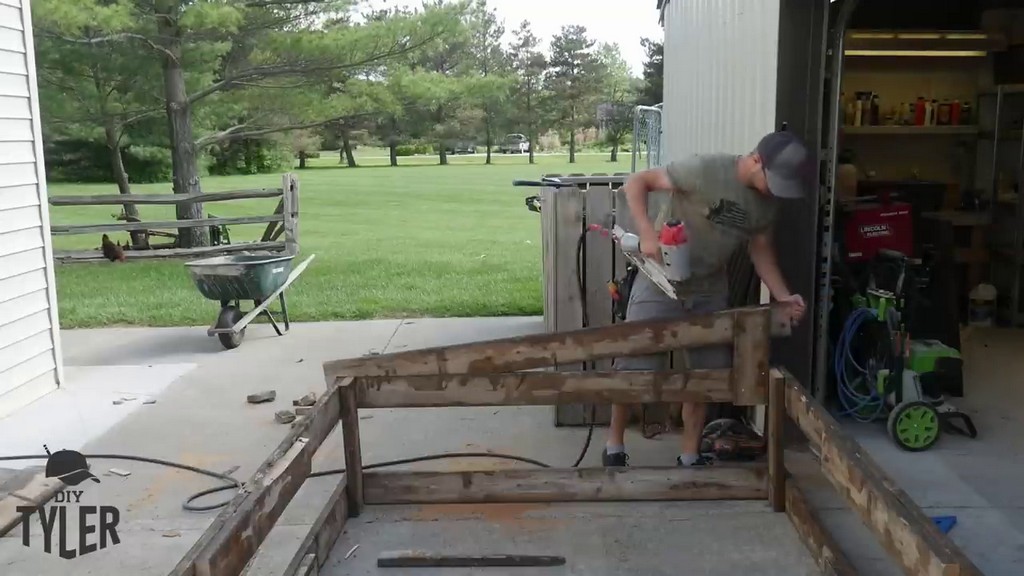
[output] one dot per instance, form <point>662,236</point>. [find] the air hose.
<point>231,483</point>
<point>856,384</point>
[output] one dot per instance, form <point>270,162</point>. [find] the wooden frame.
<point>491,374</point>
<point>284,221</point>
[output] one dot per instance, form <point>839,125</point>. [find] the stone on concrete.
<point>303,410</point>
<point>261,397</point>
<point>307,400</point>
<point>284,416</point>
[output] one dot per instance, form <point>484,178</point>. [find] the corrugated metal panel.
<point>720,75</point>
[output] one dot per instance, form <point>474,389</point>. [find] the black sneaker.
<point>617,459</point>
<point>701,460</point>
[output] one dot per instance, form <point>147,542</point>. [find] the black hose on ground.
<point>233,484</point>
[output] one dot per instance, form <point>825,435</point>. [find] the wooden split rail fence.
<point>283,222</point>
<point>499,373</point>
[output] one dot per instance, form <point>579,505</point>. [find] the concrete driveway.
<point>200,417</point>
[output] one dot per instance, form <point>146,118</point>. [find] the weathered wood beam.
<point>128,226</point>
<point>544,350</point>
<point>161,253</point>
<point>774,434</point>
<point>117,199</point>
<point>819,541</point>
<point>751,345</point>
<point>720,482</point>
<point>349,417</point>
<point>322,534</point>
<point>544,388</point>
<point>237,532</point>
<point>902,528</point>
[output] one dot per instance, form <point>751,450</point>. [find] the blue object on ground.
<point>944,523</point>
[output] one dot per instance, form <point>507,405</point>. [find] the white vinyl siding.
<point>29,339</point>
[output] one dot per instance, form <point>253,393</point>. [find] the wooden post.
<point>774,435</point>
<point>353,453</point>
<point>903,529</point>
<point>751,344</point>
<point>290,184</point>
<point>819,541</point>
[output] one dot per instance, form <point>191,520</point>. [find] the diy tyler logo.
<point>97,525</point>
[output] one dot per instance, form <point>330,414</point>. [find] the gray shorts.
<point>648,302</point>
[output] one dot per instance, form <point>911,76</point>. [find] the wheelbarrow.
<point>232,278</point>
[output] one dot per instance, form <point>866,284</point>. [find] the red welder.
<point>870,227</point>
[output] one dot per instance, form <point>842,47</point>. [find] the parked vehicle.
<point>463,147</point>
<point>514,144</point>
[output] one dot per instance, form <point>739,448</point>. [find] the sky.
<point>605,20</point>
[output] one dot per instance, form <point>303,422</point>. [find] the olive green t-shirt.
<point>720,214</point>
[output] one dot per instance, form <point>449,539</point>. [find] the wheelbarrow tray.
<point>240,276</point>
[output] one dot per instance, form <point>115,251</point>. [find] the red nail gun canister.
<point>675,251</point>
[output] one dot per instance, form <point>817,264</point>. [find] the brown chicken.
<point>111,251</point>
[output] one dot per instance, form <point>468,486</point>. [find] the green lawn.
<point>417,240</point>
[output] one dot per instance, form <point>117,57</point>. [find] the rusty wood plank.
<point>775,431</point>
<point>353,451</point>
<point>39,491</point>
<point>598,254</point>
<point>819,541</point>
<point>548,233</point>
<point>902,528</point>
<point>428,559</point>
<point>307,567</point>
<point>751,344</point>
<point>544,388</point>
<point>322,534</point>
<point>237,532</point>
<point>543,350</point>
<point>720,482</point>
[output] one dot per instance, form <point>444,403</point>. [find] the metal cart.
<point>232,278</point>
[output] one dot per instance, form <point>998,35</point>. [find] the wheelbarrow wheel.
<point>229,316</point>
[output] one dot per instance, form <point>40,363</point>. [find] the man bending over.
<point>723,200</point>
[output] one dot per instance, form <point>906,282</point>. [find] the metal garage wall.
<point>720,74</point>
<point>30,363</point>
<point>799,102</point>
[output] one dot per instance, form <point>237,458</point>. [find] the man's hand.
<point>794,303</point>
<point>650,247</point>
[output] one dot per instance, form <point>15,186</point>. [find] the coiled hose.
<point>858,393</point>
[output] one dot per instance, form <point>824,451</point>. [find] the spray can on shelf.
<point>675,251</point>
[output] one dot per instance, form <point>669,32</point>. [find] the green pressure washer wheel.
<point>914,425</point>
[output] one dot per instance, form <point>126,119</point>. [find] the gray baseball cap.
<point>788,165</point>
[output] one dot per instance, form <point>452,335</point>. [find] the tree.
<point>528,64</point>
<point>231,54</point>
<point>573,73</point>
<point>618,94</point>
<point>92,91</point>
<point>491,91</point>
<point>652,91</point>
<point>443,83</point>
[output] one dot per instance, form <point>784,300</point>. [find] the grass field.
<point>413,241</point>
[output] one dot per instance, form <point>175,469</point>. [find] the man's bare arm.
<point>762,255</point>
<point>636,188</point>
